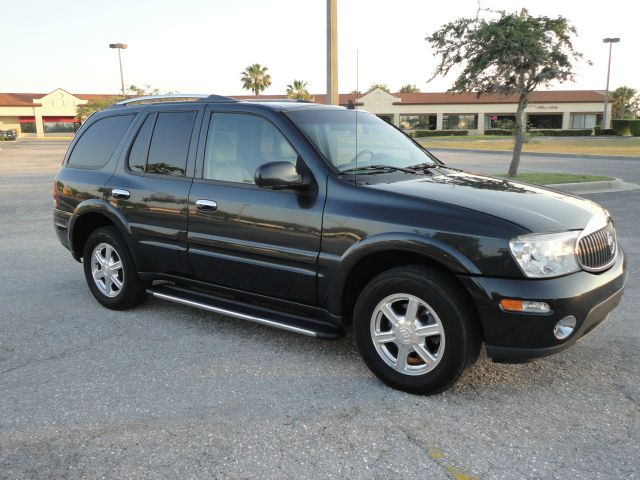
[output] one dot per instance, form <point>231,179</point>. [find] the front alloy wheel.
<point>416,328</point>
<point>407,334</point>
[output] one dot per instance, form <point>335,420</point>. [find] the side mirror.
<point>279,175</point>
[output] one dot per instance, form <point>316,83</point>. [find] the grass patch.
<point>587,146</point>
<point>551,178</point>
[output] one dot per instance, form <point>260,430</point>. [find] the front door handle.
<point>120,193</point>
<point>206,205</point>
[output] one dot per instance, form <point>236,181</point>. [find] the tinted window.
<point>238,144</point>
<point>99,141</point>
<point>170,143</point>
<point>140,147</point>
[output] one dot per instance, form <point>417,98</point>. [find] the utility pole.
<point>120,47</point>
<point>332,53</point>
<point>610,41</point>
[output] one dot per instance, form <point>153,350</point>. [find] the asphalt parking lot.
<point>164,391</point>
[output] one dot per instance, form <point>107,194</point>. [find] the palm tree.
<point>298,90</point>
<point>255,78</point>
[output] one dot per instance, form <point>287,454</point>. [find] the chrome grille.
<point>597,250</point>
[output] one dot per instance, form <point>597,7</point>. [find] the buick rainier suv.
<point>315,219</point>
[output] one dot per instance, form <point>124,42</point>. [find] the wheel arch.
<point>90,216</point>
<point>362,262</point>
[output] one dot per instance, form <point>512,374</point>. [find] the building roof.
<point>18,99</point>
<point>443,98</point>
<point>550,96</point>
<point>26,99</point>
<point>426,98</point>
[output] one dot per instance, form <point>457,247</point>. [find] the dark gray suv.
<point>314,219</point>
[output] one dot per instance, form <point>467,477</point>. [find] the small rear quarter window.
<point>99,141</point>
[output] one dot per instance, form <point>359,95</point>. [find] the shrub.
<point>562,133</point>
<point>626,127</point>
<point>603,131</point>
<point>440,133</point>
<point>498,131</point>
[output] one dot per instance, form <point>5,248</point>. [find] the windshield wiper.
<point>369,169</point>
<point>424,166</point>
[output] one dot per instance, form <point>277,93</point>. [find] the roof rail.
<point>173,97</point>
<point>278,100</point>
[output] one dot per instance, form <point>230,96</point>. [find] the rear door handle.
<point>120,193</point>
<point>206,205</point>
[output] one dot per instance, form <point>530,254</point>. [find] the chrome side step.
<point>244,312</point>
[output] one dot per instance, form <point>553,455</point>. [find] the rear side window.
<point>140,147</point>
<point>170,143</point>
<point>97,144</point>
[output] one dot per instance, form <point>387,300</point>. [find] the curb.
<point>603,186</point>
<point>534,154</point>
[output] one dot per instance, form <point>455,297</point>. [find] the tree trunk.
<point>520,134</point>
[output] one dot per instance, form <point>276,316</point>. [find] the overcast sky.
<point>201,46</point>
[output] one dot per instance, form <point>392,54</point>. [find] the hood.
<point>534,208</point>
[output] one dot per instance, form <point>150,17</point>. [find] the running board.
<point>243,311</point>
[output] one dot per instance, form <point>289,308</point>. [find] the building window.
<point>419,121</point>
<point>544,121</point>
<point>61,127</point>
<point>506,122</point>
<point>585,120</point>
<point>459,121</point>
<point>28,127</point>
<point>387,117</point>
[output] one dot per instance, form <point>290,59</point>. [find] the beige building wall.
<point>58,103</point>
<point>380,102</point>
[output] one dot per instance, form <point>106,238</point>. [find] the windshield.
<point>351,140</point>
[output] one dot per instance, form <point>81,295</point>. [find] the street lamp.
<point>120,46</point>
<point>610,41</point>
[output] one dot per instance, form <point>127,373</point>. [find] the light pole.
<point>610,41</point>
<point>120,46</point>
<point>332,52</point>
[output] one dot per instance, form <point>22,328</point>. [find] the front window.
<point>352,139</point>
<point>585,120</point>
<point>544,121</point>
<point>420,121</point>
<point>459,121</point>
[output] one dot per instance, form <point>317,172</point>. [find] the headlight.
<point>546,255</point>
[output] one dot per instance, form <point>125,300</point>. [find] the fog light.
<point>564,327</point>
<point>529,306</point>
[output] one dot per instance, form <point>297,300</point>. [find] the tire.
<point>115,288</point>
<point>437,342</point>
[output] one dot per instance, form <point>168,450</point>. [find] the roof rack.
<point>278,100</point>
<point>174,97</point>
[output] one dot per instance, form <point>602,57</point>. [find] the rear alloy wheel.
<point>416,329</point>
<point>107,271</point>
<point>110,272</point>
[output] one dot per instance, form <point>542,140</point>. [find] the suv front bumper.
<point>514,337</point>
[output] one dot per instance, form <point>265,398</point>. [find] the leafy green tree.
<point>255,78</point>
<point>509,54</point>
<point>409,88</point>
<point>355,92</point>
<point>625,102</point>
<point>100,103</point>
<point>298,90</point>
<point>134,91</point>
<point>381,86</point>
<point>95,105</point>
